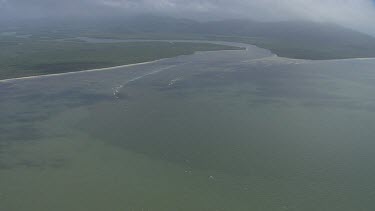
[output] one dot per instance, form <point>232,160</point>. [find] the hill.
<point>302,40</point>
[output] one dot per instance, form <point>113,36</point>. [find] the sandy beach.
<point>77,72</point>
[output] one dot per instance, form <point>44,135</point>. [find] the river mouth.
<point>228,130</point>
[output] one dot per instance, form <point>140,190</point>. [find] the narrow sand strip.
<point>81,71</point>
<point>350,59</point>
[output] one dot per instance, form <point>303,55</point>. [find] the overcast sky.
<point>357,14</point>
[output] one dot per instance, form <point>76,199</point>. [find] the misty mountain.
<point>296,39</point>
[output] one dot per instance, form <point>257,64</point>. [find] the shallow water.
<point>228,130</point>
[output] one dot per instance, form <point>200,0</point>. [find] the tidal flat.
<point>226,130</point>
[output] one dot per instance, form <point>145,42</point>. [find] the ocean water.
<point>227,130</point>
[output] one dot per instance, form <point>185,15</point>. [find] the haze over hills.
<point>296,39</point>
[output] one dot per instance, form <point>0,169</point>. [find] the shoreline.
<point>115,67</point>
<point>150,62</point>
<point>80,71</point>
<point>154,61</point>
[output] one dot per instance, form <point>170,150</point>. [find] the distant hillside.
<point>304,40</point>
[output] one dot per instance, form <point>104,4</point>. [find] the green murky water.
<point>230,130</point>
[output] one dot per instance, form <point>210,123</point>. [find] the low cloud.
<point>356,14</point>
